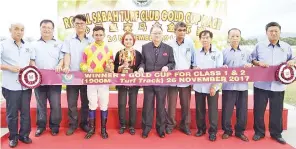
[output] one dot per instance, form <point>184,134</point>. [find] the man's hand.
<point>291,63</point>
<point>141,70</point>
<point>212,91</point>
<point>15,69</point>
<point>197,68</point>
<point>90,70</point>
<point>66,69</point>
<point>165,68</point>
<point>108,69</point>
<point>262,64</point>
<point>248,65</point>
<point>224,66</point>
<point>58,68</point>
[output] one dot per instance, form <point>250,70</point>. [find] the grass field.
<point>290,95</point>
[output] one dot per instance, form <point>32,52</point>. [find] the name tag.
<point>188,54</point>
<point>243,56</point>
<point>213,57</point>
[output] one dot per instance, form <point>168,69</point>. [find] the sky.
<point>250,16</point>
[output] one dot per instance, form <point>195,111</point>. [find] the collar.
<point>45,41</point>
<point>268,44</point>
<point>232,49</point>
<point>181,42</point>
<point>22,41</point>
<point>158,46</point>
<point>210,50</point>
<point>76,36</point>
<point>102,43</point>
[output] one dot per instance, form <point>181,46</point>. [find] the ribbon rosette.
<point>30,77</point>
<point>285,74</point>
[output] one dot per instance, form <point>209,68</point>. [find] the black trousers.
<point>276,100</point>
<point>200,101</point>
<point>132,93</point>
<point>239,99</point>
<point>72,98</point>
<point>18,101</point>
<point>150,92</point>
<point>53,94</point>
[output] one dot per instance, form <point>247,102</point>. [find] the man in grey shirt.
<point>48,55</point>
<point>270,53</point>
<point>16,54</point>
<point>184,57</point>
<point>73,48</point>
<point>235,94</point>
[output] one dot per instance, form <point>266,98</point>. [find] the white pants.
<point>95,93</point>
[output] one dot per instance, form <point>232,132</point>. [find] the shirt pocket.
<point>55,53</point>
<point>188,54</point>
<point>25,56</point>
<point>213,61</point>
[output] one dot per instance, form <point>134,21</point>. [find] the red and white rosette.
<point>30,77</point>
<point>285,74</point>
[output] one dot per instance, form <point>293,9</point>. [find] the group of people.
<point>81,52</point>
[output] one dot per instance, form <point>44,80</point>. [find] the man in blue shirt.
<point>184,57</point>
<point>73,48</point>
<point>235,94</point>
<point>270,53</point>
<point>48,55</point>
<point>207,57</point>
<point>16,54</point>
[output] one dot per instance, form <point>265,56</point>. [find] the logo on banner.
<point>30,77</point>
<point>142,3</point>
<point>67,78</point>
<point>285,74</point>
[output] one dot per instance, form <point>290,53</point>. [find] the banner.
<point>138,16</point>
<point>217,75</point>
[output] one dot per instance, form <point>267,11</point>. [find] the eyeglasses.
<point>182,30</point>
<point>156,33</point>
<point>46,28</point>
<point>79,24</point>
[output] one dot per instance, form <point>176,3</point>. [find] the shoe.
<point>168,131</point>
<point>132,131</point>
<point>144,135</point>
<point>225,136</point>
<point>25,140</point>
<point>186,131</point>
<point>162,135</point>
<point>70,131</point>
<point>242,137</point>
<point>85,128</point>
<point>39,132</point>
<point>200,133</point>
<point>13,143</point>
<point>212,137</point>
<point>54,132</point>
<point>280,140</point>
<point>121,130</point>
<point>257,137</point>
